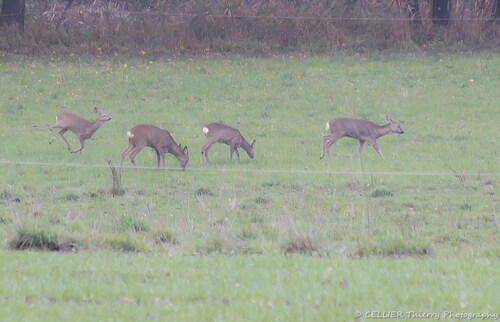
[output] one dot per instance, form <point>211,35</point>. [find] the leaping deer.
<point>363,131</point>
<point>81,127</point>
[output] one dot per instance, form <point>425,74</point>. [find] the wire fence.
<point>450,173</point>
<point>59,13</point>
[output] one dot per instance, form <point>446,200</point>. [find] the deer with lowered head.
<point>221,133</point>
<point>81,127</point>
<point>361,130</point>
<point>158,139</point>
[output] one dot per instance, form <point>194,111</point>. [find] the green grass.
<point>432,203</point>
<point>124,287</point>
<point>439,181</point>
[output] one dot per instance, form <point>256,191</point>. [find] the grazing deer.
<point>160,140</point>
<point>221,133</point>
<point>81,127</point>
<point>363,131</point>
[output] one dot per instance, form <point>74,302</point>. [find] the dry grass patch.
<point>302,245</point>
<point>35,238</point>
<point>165,237</point>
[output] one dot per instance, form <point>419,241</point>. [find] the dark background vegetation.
<point>254,27</point>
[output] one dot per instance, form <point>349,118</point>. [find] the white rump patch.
<point>130,134</point>
<point>205,130</point>
<point>328,126</point>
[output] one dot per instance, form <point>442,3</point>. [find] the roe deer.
<point>363,131</point>
<point>160,140</point>
<point>81,127</point>
<point>221,133</point>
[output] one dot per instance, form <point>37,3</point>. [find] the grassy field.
<point>123,287</point>
<point>290,236</point>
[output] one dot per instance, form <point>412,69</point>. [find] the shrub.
<point>39,239</point>
<point>263,200</point>
<point>381,192</point>
<point>116,188</point>
<point>164,237</point>
<point>301,245</point>
<point>216,245</point>
<point>394,247</point>
<point>133,224</point>
<point>204,192</point>
<point>71,197</point>
<point>125,243</point>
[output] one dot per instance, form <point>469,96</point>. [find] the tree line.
<point>245,26</point>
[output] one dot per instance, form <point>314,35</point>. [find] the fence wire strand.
<point>256,17</point>
<point>260,170</point>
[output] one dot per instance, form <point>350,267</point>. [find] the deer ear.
<point>253,144</point>
<point>96,109</point>
<point>186,151</point>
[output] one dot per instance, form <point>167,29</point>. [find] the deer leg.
<point>233,149</point>
<point>325,140</point>
<point>328,141</point>
<point>237,153</point>
<point>81,145</point>
<point>328,145</point>
<point>158,157</point>
<point>133,153</point>
<point>164,161</point>
<point>204,151</point>
<point>61,134</point>
<point>127,150</point>
<point>161,156</point>
<point>375,146</point>
<point>360,148</point>
<point>52,138</point>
